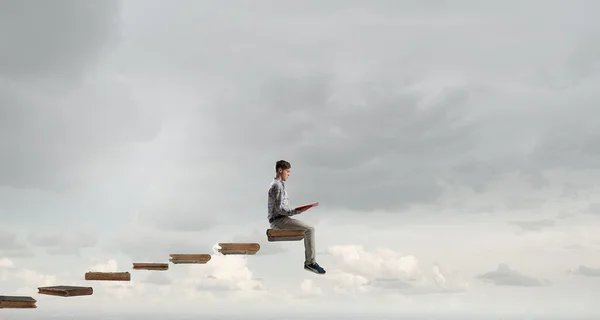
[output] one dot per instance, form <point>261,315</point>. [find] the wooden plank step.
<point>179,258</point>
<point>17,302</point>
<point>285,235</point>
<point>150,266</point>
<point>66,291</point>
<point>239,248</point>
<point>108,276</point>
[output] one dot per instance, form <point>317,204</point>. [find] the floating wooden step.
<point>108,276</point>
<point>151,266</point>
<point>66,291</point>
<point>17,302</point>
<point>285,234</point>
<point>189,258</point>
<point>238,248</point>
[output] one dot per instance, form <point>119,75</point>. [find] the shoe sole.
<point>313,270</point>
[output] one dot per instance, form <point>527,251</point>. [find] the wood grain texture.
<point>190,258</point>
<point>17,302</point>
<point>285,235</point>
<point>239,248</point>
<point>150,266</point>
<point>66,291</point>
<point>108,276</point>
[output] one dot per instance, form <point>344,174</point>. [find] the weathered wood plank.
<point>238,248</point>
<point>17,302</point>
<point>108,276</point>
<point>285,235</point>
<point>66,291</point>
<point>189,258</point>
<point>150,266</point>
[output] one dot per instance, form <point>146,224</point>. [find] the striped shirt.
<point>278,200</point>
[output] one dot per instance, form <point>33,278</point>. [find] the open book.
<point>307,206</point>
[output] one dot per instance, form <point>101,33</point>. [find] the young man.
<point>280,213</point>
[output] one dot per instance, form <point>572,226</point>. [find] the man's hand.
<point>301,210</point>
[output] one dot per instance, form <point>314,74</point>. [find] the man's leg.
<point>309,235</point>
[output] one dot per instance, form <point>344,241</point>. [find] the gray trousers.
<point>309,235</point>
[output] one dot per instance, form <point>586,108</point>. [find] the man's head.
<point>282,169</point>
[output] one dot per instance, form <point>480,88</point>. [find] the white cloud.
<point>349,283</point>
<point>119,290</point>
<point>308,287</point>
<point>33,278</point>
<point>109,266</point>
<point>359,270</point>
<point>6,263</point>
<point>158,278</point>
<point>228,273</point>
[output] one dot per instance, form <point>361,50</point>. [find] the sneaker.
<point>314,267</point>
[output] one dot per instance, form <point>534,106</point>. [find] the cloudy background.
<point>454,149</point>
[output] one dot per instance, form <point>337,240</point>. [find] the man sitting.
<point>280,213</point>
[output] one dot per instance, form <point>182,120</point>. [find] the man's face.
<point>285,173</point>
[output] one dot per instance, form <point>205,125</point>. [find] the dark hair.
<point>282,164</point>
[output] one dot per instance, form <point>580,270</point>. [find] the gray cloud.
<point>64,243</point>
<point>178,213</point>
<point>59,38</point>
<point>504,276</point>
<point>369,122</point>
<point>220,286</point>
<point>564,215</point>
<point>355,146</point>
<point>12,246</point>
<point>373,113</point>
<point>160,279</point>
<point>593,208</point>
<point>391,283</point>
<point>177,111</point>
<point>586,271</point>
<point>59,114</point>
<point>156,246</point>
<point>49,140</point>
<point>534,225</point>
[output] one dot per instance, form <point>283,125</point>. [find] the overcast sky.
<point>454,148</point>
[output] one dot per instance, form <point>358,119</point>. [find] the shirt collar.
<point>280,181</point>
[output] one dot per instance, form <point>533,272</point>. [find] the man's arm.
<point>280,208</point>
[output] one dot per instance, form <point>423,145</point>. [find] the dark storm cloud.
<point>385,152</point>
<point>377,106</point>
<point>368,116</point>
<point>56,116</point>
<point>57,38</point>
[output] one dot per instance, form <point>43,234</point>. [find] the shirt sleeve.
<point>280,208</point>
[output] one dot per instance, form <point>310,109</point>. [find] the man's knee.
<point>309,229</point>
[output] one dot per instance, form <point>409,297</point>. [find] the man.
<point>280,213</point>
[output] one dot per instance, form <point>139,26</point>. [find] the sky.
<point>453,147</point>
